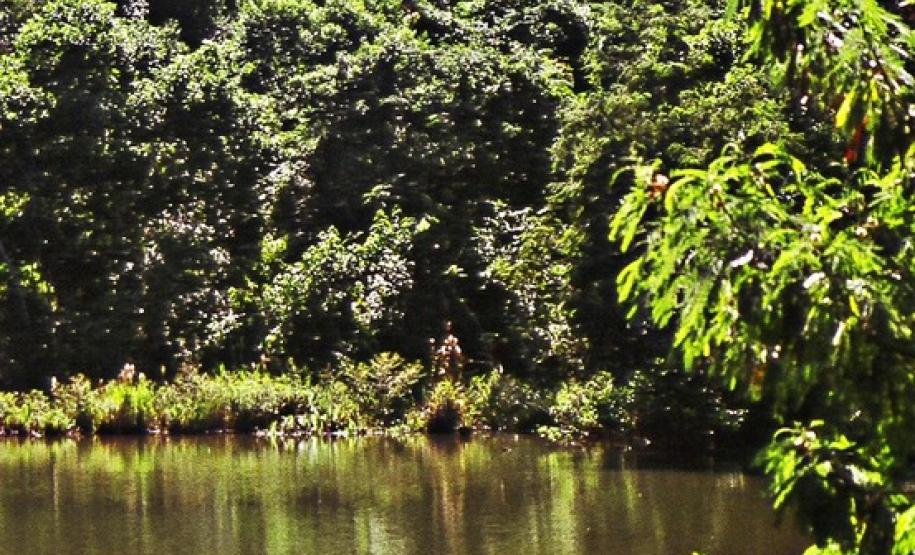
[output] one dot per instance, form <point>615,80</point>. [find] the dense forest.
<point>300,187</point>
<point>296,183</point>
<point>682,221</point>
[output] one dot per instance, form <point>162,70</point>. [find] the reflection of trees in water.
<point>416,495</point>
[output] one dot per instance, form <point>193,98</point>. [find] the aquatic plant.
<point>78,398</point>
<point>126,407</point>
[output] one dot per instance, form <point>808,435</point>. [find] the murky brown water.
<point>225,495</point>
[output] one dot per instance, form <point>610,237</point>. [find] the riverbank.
<point>384,395</point>
<point>194,403</point>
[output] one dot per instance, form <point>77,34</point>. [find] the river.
<point>501,495</point>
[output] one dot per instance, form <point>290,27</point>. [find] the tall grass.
<point>367,395</point>
<point>386,392</point>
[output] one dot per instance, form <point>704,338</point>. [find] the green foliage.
<point>491,401</point>
<point>663,406</point>
<point>689,410</point>
<point>244,401</point>
<point>78,398</point>
<point>499,402</point>
<point>383,387</point>
<point>222,181</point>
<point>785,284</point>
<point>282,184</point>
<point>138,262</point>
<point>444,408</point>
<point>32,414</point>
<point>125,407</point>
<point>666,83</point>
<point>787,278</point>
<point>197,21</point>
<point>193,404</point>
<point>840,487</point>
<point>341,292</point>
<point>854,55</point>
<point>769,273</point>
<point>528,261</point>
<point>584,409</point>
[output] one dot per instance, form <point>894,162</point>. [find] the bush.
<point>126,407</point>
<point>8,405</point>
<point>443,411</point>
<point>499,402</point>
<point>25,415</point>
<point>32,413</point>
<point>243,401</point>
<point>194,403</point>
<point>79,400</point>
<point>248,401</point>
<point>55,421</point>
<point>333,408</point>
<point>581,410</point>
<point>681,409</point>
<point>383,387</point>
<point>255,399</point>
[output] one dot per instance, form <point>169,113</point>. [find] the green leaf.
<point>853,305</point>
<point>845,108</point>
<point>627,279</point>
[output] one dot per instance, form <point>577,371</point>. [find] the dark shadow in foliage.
<point>197,19</point>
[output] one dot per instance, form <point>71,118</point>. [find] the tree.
<point>680,99</point>
<point>139,165</point>
<point>789,279</point>
<point>379,109</point>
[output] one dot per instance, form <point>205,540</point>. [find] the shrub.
<point>496,401</point>
<point>379,392</point>
<point>580,410</point>
<point>8,405</point>
<point>192,404</point>
<point>334,408</point>
<point>55,421</point>
<point>383,387</point>
<point>79,400</point>
<point>681,409</point>
<point>255,399</point>
<point>443,411</point>
<point>126,407</point>
<point>32,413</point>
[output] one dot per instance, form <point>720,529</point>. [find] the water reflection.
<point>384,496</point>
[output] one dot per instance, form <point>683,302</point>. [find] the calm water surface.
<point>225,495</point>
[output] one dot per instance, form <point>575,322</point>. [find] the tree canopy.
<point>172,173</point>
<point>789,275</point>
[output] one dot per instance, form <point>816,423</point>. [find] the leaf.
<point>840,331</point>
<point>845,108</point>
<point>768,149</point>
<point>809,15</point>
<point>905,533</point>
<point>813,279</point>
<point>627,279</point>
<point>632,227</point>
